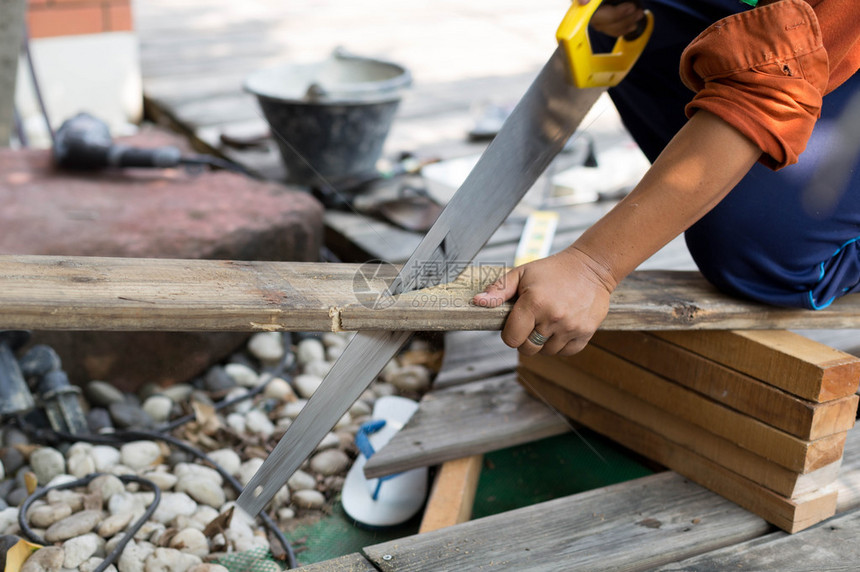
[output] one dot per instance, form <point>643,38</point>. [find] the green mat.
<point>511,478</point>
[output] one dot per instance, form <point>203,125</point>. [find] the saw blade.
<point>532,136</point>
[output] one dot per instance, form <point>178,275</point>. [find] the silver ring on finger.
<point>537,338</point>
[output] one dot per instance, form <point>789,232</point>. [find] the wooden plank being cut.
<point>348,563</point>
<point>790,515</point>
<point>784,359</point>
<point>775,477</point>
<point>625,527</point>
<point>466,420</point>
<point>765,402</point>
<point>766,441</point>
<point>89,293</point>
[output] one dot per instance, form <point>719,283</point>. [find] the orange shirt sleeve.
<point>765,72</point>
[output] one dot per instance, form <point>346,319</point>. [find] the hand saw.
<point>537,129</point>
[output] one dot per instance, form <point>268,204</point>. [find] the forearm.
<point>695,171</point>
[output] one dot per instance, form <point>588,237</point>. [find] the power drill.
<point>84,143</point>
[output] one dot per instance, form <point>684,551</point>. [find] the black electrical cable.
<point>120,437</point>
<point>129,534</point>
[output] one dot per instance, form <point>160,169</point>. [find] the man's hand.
<point>617,20</point>
<point>564,298</point>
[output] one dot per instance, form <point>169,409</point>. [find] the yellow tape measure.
<point>537,236</point>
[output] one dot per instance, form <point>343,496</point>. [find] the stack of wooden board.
<point>759,417</point>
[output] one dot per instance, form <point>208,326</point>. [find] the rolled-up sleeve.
<point>763,71</point>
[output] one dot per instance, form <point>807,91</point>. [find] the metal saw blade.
<point>529,140</point>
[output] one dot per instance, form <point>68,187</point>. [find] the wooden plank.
<point>831,546</point>
<point>787,360</point>
<point>799,417</point>
<point>466,420</point>
<point>90,293</point>
<point>348,563</point>
<point>625,527</point>
<point>471,356</point>
<point>766,441</point>
<point>453,494</point>
<point>791,515</point>
<point>756,468</point>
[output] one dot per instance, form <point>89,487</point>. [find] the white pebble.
<point>183,470</point>
<point>248,469</point>
<point>173,504</point>
<point>286,513</point>
<point>105,457</point>
<point>47,463</point>
<point>92,564</point>
<point>301,481</point>
<point>47,559</point>
<point>178,392</point>
<point>242,374</point>
<point>329,462</point>
<point>125,502</point>
<point>334,339</point>
<point>308,498</point>
<point>227,458</point>
<point>258,422</point>
<point>202,490</point>
<point>113,524</point>
<point>208,567</point>
<point>134,556</point>
<point>158,407</point>
<point>333,352</point>
<point>191,541</point>
<point>279,389</point>
<point>81,465</point>
<point>170,560</point>
<point>282,497</point>
<point>236,422</point>
<point>243,406</point>
<point>45,515</point>
<point>79,549</point>
<point>306,384</point>
<point>317,367</point>
<point>203,516</point>
<point>344,421</point>
<point>330,441</point>
<point>106,486</point>
<point>61,480</point>
<point>308,350</point>
<point>140,454</point>
<point>292,410</point>
<point>162,479</point>
<point>79,448</point>
<point>268,347</point>
<point>360,409</point>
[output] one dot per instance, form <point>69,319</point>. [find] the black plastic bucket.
<point>330,119</point>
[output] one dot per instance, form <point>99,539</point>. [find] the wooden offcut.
<point>790,515</point>
<point>677,432</point>
<point>764,440</point>
<point>784,359</point>
<point>453,494</point>
<point>744,393</point>
<point>91,293</point>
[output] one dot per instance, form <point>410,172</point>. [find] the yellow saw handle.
<point>598,70</point>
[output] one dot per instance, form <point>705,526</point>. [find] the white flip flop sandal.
<point>390,500</point>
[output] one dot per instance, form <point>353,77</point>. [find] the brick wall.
<point>51,18</point>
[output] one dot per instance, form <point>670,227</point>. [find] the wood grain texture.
<point>831,546</point>
<point>348,563</point>
<point>81,293</point>
<point>766,441</point>
<point>625,527</point>
<point>744,393</point>
<point>784,359</point>
<point>466,420</point>
<point>453,494</point>
<point>676,431</point>
<point>790,515</point>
